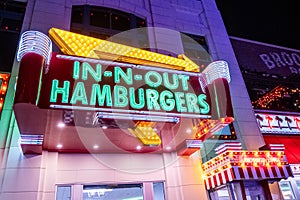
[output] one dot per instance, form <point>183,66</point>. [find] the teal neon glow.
<point>76,70</point>
<point>192,103</point>
<point>79,94</point>
<point>124,97</point>
<point>152,99</point>
<point>138,77</point>
<point>180,102</point>
<point>120,96</point>
<point>88,69</point>
<point>126,89</point>
<point>39,90</point>
<point>102,96</point>
<point>127,77</point>
<point>151,76</point>
<point>166,100</point>
<point>64,91</point>
<point>171,86</point>
<point>204,106</point>
<point>141,98</point>
<point>217,101</point>
<point>108,74</point>
<point>184,81</point>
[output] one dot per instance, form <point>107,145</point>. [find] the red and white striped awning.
<point>236,173</point>
<point>234,164</point>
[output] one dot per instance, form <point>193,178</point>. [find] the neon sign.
<point>278,124</point>
<point>107,81</point>
<point>122,88</point>
<point>89,47</point>
<point>258,158</point>
<point>70,82</point>
<point>115,87</point>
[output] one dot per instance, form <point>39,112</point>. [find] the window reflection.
<point>63,193</point>
<point>158,189</point>
<point>196,48</point>
<point>298,185</point>
<point>286,190</point>
<point>101,22</point>
<point>223,194</point>
<point>113,192</point>
<point>220,194</point>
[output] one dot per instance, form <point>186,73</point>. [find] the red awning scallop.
<point>248,173</point>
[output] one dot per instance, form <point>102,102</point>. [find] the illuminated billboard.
<point>268,59</point>
<point>105,81</point>
<point>99,85</point>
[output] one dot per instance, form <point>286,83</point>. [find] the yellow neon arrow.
<point>147,135</point>
<point>85,46</point>
<point>145,132</point>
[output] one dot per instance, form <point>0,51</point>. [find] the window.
<point>134,191</point>
<point>102,23</point>
<point>158,189</point>
<point>63,193</point>
<point>77,15</point>
<point>113,192</point>
<point>223,193</point>
<point>13,6</point>
<point>11,19</point>
<point>195,48</point>
<point>298,185</point>
<point>100,18</point>
<point>220,194</point>
<point>286,190</point>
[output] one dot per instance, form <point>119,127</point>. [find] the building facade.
<point>272,79</point>
<point>82,168</point>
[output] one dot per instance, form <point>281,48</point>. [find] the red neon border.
<point>4,77</point>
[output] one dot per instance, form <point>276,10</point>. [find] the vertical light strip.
<point>4,78</point>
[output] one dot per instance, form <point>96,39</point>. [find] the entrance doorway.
<point>131,191</point>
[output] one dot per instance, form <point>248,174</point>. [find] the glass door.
<point>135,191</point>
<point>113,192</point>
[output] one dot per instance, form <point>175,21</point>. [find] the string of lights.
<point>280,98</point>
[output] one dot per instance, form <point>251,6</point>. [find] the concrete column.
<point>183,178</point>
<point>77,192</point>
<point>245,124</point>
<point>47,183</point>
<point>148,191</point>
<point>275,191</point>
<point>21,175</point>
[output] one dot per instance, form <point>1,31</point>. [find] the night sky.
<point>273,22</point>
